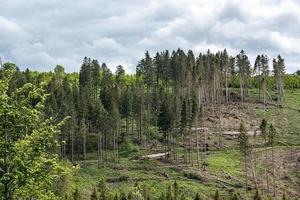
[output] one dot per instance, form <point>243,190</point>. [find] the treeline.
<point>169,92</point>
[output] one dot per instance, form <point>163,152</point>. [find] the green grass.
<point>219,163</point>
<point>224,162</point>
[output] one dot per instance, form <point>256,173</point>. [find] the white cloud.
<point>40,35</point>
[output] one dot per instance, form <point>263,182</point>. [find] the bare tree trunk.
<point>267,169</point>
<point>264,93</point>
<point>226,87</point>
<point>246,173</point>
<point>117,142</point>
<point>253,166</point>
<point>273,169</point>
<point>242,93</point>
<point>220,131</point>
<point>84,141</point>
<point>72,145</point>
<point>185,151</point>
<point>99,150</point>
<point>140,126</point>
<point>197,146</point>
<point>127,127</point>
<point>132,124</point>
<point>114,147</point>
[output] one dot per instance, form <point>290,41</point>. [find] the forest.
<point>183,126</point>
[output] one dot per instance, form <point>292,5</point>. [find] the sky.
<point>39,34</point>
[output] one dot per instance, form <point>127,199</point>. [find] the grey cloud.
<point>41,34</point>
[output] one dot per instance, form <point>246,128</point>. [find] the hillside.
<point>220,168</point>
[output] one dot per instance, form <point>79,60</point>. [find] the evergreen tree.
<point>279,71</point>
<point>244,72</point>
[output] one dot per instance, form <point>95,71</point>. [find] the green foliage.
<point>165,117</point>
<point>263,128</point>
<point>243,139</point>
<point>272,136</point>
<point>163,94</point>
<point>128,147</point>
<point>29,165</point>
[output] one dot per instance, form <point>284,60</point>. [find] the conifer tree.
<point>244,72</point>
<point>279,71</point>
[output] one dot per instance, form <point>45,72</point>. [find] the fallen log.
<point>155,156</point>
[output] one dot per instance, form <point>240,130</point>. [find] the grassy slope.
<point>220,163</point>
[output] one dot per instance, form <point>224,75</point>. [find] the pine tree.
<point>264,75</point>
<point>279,71</point>
<point>244,72</point>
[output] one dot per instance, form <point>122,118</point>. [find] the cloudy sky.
<point>40,34</point>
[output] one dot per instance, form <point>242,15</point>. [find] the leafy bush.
<point>128,147</point>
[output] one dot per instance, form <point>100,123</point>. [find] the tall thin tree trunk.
<point>267,169</point>
<point>84,141</point>
<point>72,145</point>
<point>246,173</point>
<point>114,147</point>
<point>273,169</point>
<point>226,87</point>
<point>99,150</point>
<point>197,146</point>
